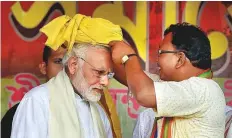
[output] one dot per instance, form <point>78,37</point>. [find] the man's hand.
<point>120,49</point>
<point>132,74</point>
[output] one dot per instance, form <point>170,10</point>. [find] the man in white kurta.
<point>67,105</point>
<point>188,103</point>
<point>197,114</point>
<point>145,121</point>
<point>32,115</point>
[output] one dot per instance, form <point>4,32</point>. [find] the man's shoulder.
<point>39,92</point>
<point>10,113</point>
<point>13,108</point>
<point>199,83</point>
<point>203,85</point>
<point>204,80</point>
<point>211,85</point>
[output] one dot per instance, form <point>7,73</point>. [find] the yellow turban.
<point>80,28</point>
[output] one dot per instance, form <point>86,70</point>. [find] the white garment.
<point>145,120</point>
<point>31,117</point>
<point>197,105</point>
<point>229,134</point>
<point>144,124</point>
<point>228,120</point>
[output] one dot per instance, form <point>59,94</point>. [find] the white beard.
<point>88,92</point>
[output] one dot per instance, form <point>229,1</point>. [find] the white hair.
<point>80,50</point>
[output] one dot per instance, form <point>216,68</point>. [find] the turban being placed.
<point>80,28</point>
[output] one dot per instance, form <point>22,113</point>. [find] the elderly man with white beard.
<point>88,68</point>
<point>67,105</point>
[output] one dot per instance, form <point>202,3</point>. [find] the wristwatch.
<point>126,57</point>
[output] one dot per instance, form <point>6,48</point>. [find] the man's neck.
<point>190,72</point>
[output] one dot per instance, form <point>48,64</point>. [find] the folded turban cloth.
<point>80,28</point>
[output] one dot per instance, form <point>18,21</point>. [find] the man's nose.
<point>104,80</point>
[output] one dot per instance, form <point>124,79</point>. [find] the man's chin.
<point>93,97</point>
<point>163,78</point>
<point>100,91</point>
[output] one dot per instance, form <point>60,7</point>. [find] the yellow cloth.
<point>107,103</point>
<point>80,28</point>
<point>64,120</point>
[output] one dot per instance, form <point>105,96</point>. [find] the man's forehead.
<point>97,49</point>
<point>97,54</point>
<point>103,66</point>
<point>59,52</point>
<point>166,42</point>
<point>101,62</point>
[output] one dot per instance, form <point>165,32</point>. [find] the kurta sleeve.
<point>30,119</point>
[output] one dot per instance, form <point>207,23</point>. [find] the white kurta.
<point>198,99</point>
<point>228,119</point>
<point>197,105</point>
<point>31,117</point>
<point>144,124</point>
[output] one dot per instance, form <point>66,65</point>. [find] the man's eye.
<point>58,61</point>
<point>98,73</point>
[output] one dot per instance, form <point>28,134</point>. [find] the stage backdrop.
<point>142,23</point>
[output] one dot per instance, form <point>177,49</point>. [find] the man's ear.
<point>42,68</point>
<point>181,60</point>
<point>72,65</point>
